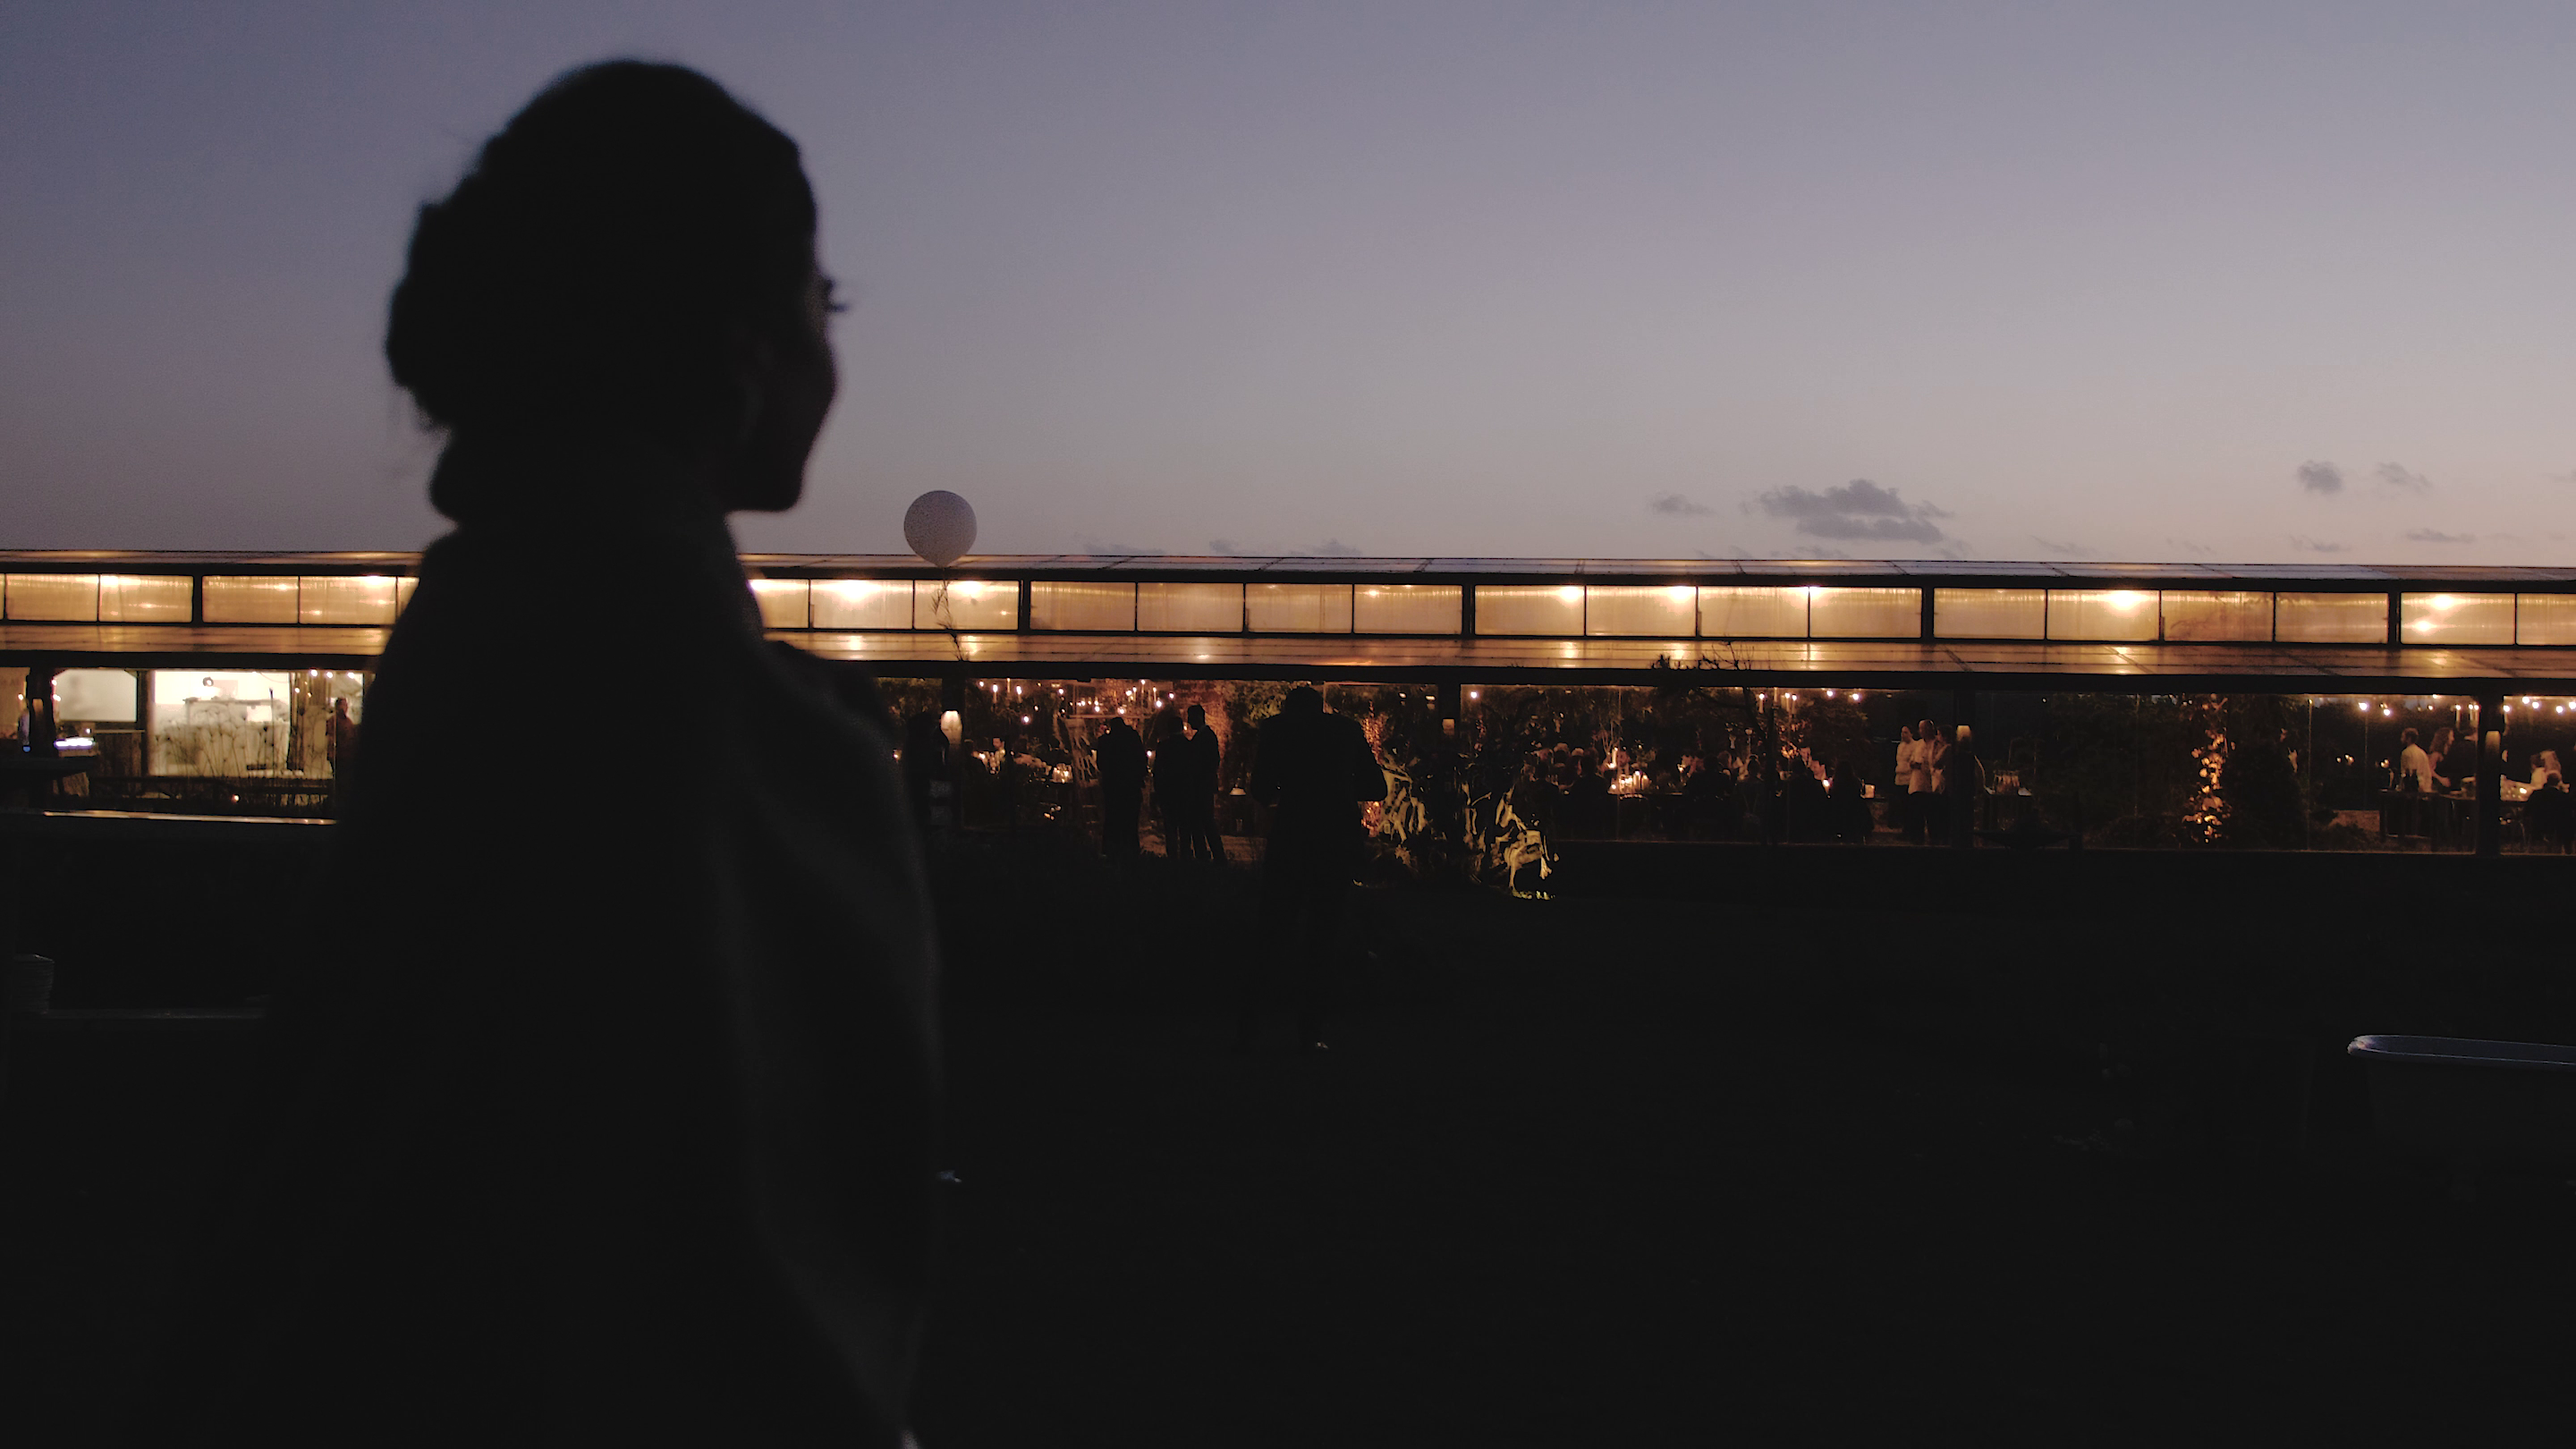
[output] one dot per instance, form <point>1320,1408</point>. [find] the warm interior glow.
<point>1571,593</point>
<point>2124,599</point>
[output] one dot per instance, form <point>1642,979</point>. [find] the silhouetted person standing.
<point>1206,766</point>
<point>1120,755</point>
<point>1963,779</point>
<point>621,1131</point>
<point>1314,770</point>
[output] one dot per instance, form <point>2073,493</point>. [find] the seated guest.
<point>2549,816</point>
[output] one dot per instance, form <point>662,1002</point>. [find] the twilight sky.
<point>2243,281</point>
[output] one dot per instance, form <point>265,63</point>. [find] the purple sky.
<point>2240,281</point>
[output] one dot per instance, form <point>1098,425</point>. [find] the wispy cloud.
<point>2053,545</point>
<point>1677,506</point>
<point>2433,535</point>
<point>1330,548</point>
<point>1223,546</point>
<point>1859,509</point>
<point>2398,479</point>
<point>2311,545</point>
<point>2321,477</point>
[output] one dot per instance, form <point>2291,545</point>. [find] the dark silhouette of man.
<point>1198,800</point>
<point>1314,770</point>
<point>1120,754</point>
<point>340,738</point>
<point>1963,780</point>
<point>621,1129</point>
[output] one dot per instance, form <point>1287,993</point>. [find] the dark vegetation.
<point>1722,1142</point>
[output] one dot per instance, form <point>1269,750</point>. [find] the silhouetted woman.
<point>613,1124</point>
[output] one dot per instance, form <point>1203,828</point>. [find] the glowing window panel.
<point>95,696</point>
<point>965,604</point>
<point>1990,613</point>
<point>1864,613</point>
<point>1671,611</point>
<point>59,598</point>
<point>1407,608</point>
<point>2331,619</point>
<point>1298,608</point>
<point>2545,619</point>
<point>1190,608</point>
<point>144,598</point>
<point>2458,618</point>
<point>862,603</point>
<point>2123,615</point>
<point>247,599</point>
<point>332,600</point>
<point>1525,609</point>
<point>1085,606</point>
<point>402,593</point>
<point>1732,612</point>
<point>782,602</point>
<point>2225,615</point>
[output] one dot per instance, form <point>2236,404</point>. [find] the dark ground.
<point>1603,1171</point>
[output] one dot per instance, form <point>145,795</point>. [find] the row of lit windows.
<point>1522,610</point>
<point>229,598</point>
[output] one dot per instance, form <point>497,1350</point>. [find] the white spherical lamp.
<point>940,527</point>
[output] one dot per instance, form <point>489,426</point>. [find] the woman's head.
<point>633,251</point>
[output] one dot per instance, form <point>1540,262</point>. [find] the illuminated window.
<point>1671,611</point>
<point>228,722</point>
<point>2458,618</point>
<point>143,598</point>
<point>1530,609</point>
<point>1407,608</point>
<point>402,592</point>
<point>1190,608</point>
<point>1864,613</point>
<point>95,696</point>
<point>2331,619</point>
<point>1753,613</point>
<point>782,602</point>
<point>241,599</point>
<point>61,598</point>
<point>2192,615</point>
<point>2545,619</point>
<point>965,604</point>
<point>1990,613</point>
<point>1298,608</point>
<point>345,600</point>
<point>862,604</point>
<point>1082,606</point>
<point>2118,614</point>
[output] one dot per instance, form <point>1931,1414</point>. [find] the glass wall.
<point>226,722</point>
<point>1408,608</point>
<point>965,604</point>
<point>1082,606</point>
<point>1190,608</point>
<point>1550,609</point>
<point>1626,611</point>
<point>64,598</point>
<point>1298,608</point>
<point>2459,619</point>
<point>145,598</point>
<point>862,604</point>
<point>1729,612</point>
<point>782,602</point>
<point>342,600</point>
<point>2119,615</point>
<point>2545,619</point>
<point>2216,615</point>
<point>1835,613</point>
<point>1990,613</point>
<point>249,599</point>
<point>2331,619</point>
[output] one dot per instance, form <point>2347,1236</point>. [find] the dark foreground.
<point>1597,1171</point>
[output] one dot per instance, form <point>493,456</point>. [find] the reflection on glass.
<point>2458,618</point>
<point>1990,613</point>
<point>1298,608</point>
<point>2227,615</point>
<point>61,598</point>
<point>143,598</point>
<point>1093,607</point>
<point>1190,608</point>
<point>1529,609</point>
<point>965,604</point>
<point>782,602</point>
<point>341,600</point>
<point>247,599</point>
<point>2124,615</point>
<point>1629,612</point>
<point>1834,613</point>
<point>1731,612</point>
<point>1408,608</point>
<point>862,604</point>
<point>2545,619</point>
<point>2331,619</point>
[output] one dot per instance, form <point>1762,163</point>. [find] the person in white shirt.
<point>2414,764</point>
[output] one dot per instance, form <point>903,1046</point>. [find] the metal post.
<point>2490,774</point>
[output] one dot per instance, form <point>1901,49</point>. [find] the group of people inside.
<point>2449,764</point>
<point>1941,780</point>
<point>1185,765</point>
